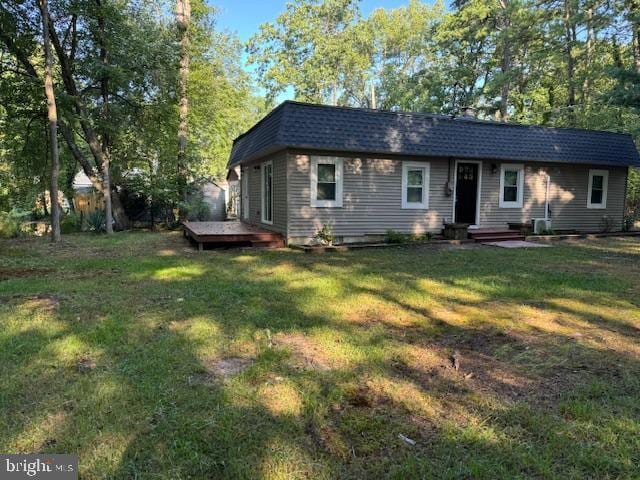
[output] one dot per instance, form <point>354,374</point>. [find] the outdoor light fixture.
<point>494,168</point>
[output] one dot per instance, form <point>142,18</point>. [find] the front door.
<point>466,193</point>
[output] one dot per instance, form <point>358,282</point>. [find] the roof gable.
<point>344,129</point>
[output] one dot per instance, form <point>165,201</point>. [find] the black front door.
<point>466,193</point>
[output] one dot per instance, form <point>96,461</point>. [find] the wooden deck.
<point>230,234</point>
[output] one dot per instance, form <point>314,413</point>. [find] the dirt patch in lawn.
<point>9,273</point>
<point>46,304</point>
<point>306,353</point>
<point>216,369</point>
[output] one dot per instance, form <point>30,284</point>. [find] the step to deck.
<point>502,238</point>
<point>487,236</point>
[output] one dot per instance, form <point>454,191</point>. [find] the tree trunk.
<point>634,20</point>
<point>104,91</point>
<point>505,66</point>
<point>569,29</point>
<point>52,115</point>
<point>183,20</point>
<point>586,86</point>
<point>373,96</point>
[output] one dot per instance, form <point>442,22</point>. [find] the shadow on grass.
<point>348,351</point>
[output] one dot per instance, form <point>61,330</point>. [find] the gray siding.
<point>279,193</point>
<point>569,198</point>
<point>214,197</point>
<point>372,199</point>
<point>567,194</point>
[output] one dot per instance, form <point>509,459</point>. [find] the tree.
<point>183,21</point>
<point>52,114</point>
<point>309,48</point>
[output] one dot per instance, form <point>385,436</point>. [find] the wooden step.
<point>491,233</point>
<point>499,238</point>
<point>488,236</point>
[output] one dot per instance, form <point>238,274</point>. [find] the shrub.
<point>11,222</point>
<point>71,222</point>
<point>606,224</point>
<point>324,236</point>
<point>96,221</point>
<point>392,236</point>
<point>421,237</point>
<point>195,208</point>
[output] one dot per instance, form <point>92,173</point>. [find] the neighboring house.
<point>365,171</point>
<point>86,198</point>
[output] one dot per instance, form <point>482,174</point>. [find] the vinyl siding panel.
<point>567,197</point>
<point>279,193</point>
<point>372,199</point>
<point>373,188</point>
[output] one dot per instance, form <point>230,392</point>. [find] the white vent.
<point>541,224</point>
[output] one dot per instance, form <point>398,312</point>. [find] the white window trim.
<point>520,200</point>
<point>339,163</point>
<point>244,187</point>
<point>426,168</point>
<point>605,188</point>
<point>262,192</point>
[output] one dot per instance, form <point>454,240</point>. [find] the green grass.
<point>151,360</point>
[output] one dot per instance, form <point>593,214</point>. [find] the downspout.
<point>546,199</point>
<point>624,202</point>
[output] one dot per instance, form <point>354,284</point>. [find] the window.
<point>511,186</point>
<point>326,181</point>
<point>598,184</point>
<point>267,192</point>
<point>415,185</point>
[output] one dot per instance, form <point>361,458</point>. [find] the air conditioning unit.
<point>541,225</point>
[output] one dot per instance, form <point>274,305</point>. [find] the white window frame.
<point>263,169</point>
<point>605,188</point>
<point>244,193</point>
<point>520,193</point>
<point>339,164</point>
<point>426,169</point>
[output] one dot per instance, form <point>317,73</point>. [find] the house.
<point>364,172</point>
<point>86,199</point>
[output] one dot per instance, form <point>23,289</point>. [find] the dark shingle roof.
<point>344,129</point>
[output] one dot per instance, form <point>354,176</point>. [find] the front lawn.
<point>151,360</point>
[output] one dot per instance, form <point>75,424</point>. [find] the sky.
<point>245,16</point>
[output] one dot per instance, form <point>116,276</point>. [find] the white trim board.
<point>426,180</point>
<point>605,188</point>
<point>263,167</point>
<point>313,177</point>
<point>519,202</point>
